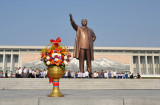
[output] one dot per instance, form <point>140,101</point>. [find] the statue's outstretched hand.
<point>70,17</point>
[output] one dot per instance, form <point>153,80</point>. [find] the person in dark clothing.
<point>90,74</point>
<point>102,73</point>
<point>131,76</point>
<point>69,74</point>
<point>138,76</point>
<point>76,75</point>
<point>6,74</point>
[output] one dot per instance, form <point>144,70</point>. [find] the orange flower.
<point>57,64</point>
<point>59,60</point>
<point>63,52</point>
<point>44,56</point>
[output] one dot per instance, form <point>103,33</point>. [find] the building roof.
<point>71,47</point>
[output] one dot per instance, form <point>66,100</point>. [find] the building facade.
<point>143,60</point>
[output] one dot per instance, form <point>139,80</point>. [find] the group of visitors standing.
<point>30,73</point>
<point>101,74</point>
<point>37,73</point>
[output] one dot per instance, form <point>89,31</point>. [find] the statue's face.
<point>84,22</point>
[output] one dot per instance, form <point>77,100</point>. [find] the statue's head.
<point>84,22</point>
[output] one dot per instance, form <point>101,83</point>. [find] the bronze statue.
<point>83,48</point>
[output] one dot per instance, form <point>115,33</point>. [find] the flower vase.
<point>56,73</point>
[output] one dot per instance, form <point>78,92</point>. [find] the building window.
<point>156,51</point>
<point>105,50</point>
<point>119,50</point>
<point>149,52</point>
<point>112,50</point>
<point>8,58</point>
<point>39,49</point>
<point>128,51</point>
<point>31,49</point>
<point>135,59</point>
<point>141,51</point>
<point>1,58</point>
<point>97,50</point>
<point>23,50</point>
<point>135,51</point>
<point>142,59</point>
<point>156,60</point>
<point>149,59</point>
<point>15,50</point>
<point>15,58</point>
<point>8,50</point>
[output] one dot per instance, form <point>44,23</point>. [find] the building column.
<point>153,63</point>
<point>19,60</point>
<point>159,65</point>
<point>4,61</point>
<point>11,64</point>
<point>139,64</point>
<point>146,63</point>
<point>131,63</point>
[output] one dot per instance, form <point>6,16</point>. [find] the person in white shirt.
<point>30,73</point>
<point>79,74</point>
<point>46,75</point>
<point>20,72</point>
<point>72,74</point>
<point>66,74</point>
<point>42,73</point>
<point>95,74</point>
<point>123,76</point>
<point>114,74</point>
<point>25,72</point>
<point>33,74</point>
<point>105,74</point>
<point>87,74</point>
<point>83,75</point>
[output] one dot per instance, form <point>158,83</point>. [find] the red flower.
<point>42,54</point>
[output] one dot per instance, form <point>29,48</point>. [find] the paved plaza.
<point>80,93</point>
<point>80,97</point>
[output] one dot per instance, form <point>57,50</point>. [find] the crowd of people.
<point>101,74</point>
<point>26,73</point>
<point>37,73</point>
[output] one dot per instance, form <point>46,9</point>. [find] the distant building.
<point>143,60</point>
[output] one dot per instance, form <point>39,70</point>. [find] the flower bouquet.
<point>55,58</point>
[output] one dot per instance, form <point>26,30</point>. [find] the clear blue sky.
<point>116,23</point>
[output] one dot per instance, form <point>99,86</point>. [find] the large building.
<point>143,60</point>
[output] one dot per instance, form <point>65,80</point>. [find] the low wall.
<point>42,83</point>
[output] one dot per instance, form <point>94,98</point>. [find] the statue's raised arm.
<point>75,27</point>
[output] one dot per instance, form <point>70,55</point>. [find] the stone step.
<point>36,83</point>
